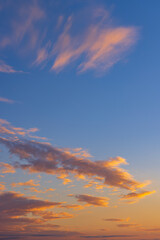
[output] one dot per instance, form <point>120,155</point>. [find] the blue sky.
<point>104,101</point>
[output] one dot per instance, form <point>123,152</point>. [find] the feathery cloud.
<point>6,100</point>
<point>5,68</point>
<point>102,46</point>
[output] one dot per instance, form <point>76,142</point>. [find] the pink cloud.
<point>6,100</point>
<point>7,68</point>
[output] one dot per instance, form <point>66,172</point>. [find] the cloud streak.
<point>91,200</point>
<point>43,157</point>
<point>29,183</point>
<point>102,47</point>
<point>6,100</point>
<point>116,219</point>
<point>5,68</point>
<point>99,44</point>
<point>135,196</point>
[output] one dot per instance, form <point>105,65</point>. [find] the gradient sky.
<point>79,119</point>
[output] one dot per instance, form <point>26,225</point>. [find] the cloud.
<point>19,212</point>
<point>43,157</point>
<point>7,129</point>
<point>134,196</point>
<point>109,236</point>
<point>35,190</point>
<point>7,69</point>
<point>6,100</point>
<point>98,44</point>
<point>9,206</point>
<point>23,26</point>
<point>116,219</point>
<point>30,183</point>
<point>151,229</point>
<point>42,234</point>
<point>72,206</point>
<point>128,225</point>
<point>91,200</point>
<point>102,47</point>
<point>2,187</point>
<point>47,215</point>
<point>6,168</point>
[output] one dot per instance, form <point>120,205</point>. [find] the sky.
<point>79,120</point>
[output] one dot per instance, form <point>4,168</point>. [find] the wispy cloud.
<point>24,25</point>
<point>72,206</point>
<point>154,229</point>
<point>6,128</point>
<point>135,196</point>
<point>102,46</point>
<point>30,183</point>
<point>99,44</point>
<point>109,236</point>
<point>128,225</point>
<point>6,100</point>
<point>92,200</point>
<point>6,168</point>
<point>5,68</point>
<point>116,219</point>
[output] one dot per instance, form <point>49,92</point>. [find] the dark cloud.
<point>109,236</point>
<point>128,225</point>
<point>20,212</point>
<point>115,219</point>
<point>91,200</point>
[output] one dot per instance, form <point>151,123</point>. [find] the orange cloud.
<point>35,190</point>
<point>91,200</point>
<point>20,214</point>
<point>72,206</point>
<point>43,157</point>
<point>7,129</point>
<point>61,162</point>
<point>6,168</point>
<point>134,196</point>
<point>30,183</point>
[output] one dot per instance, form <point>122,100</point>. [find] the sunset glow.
<point>79,122</point>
